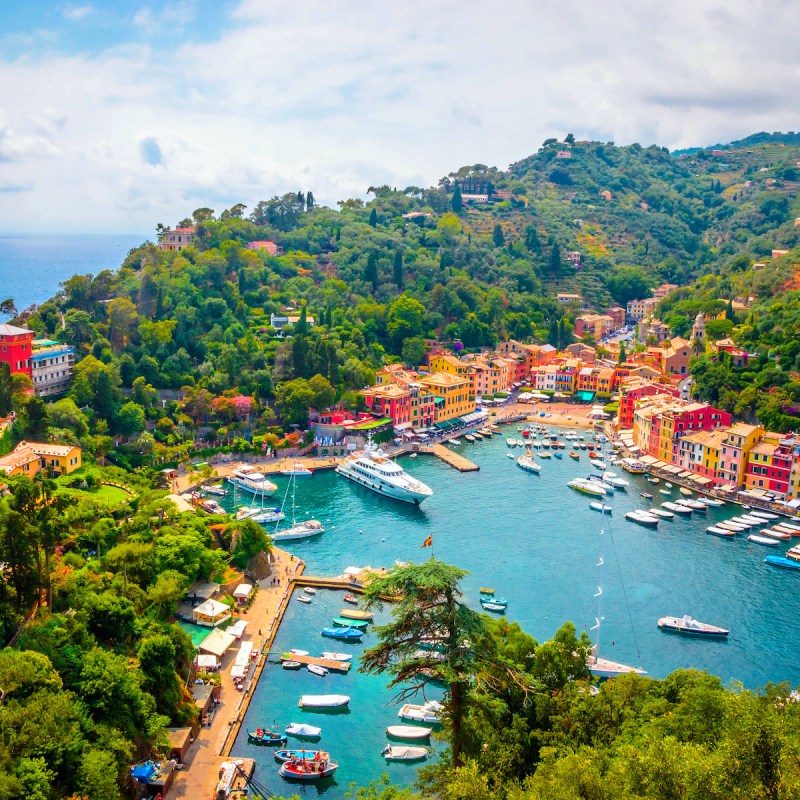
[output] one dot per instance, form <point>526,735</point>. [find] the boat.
<point>298,470</point>
<point>430,712</point>
<point>775,533</point>
<point>288,755</point>
<point>486,590</point>
<point>767,541</point>
<point>764,515</point>
<point>251,480</point>
<point>587,487</point>
<point>751,520</point>
<point>596,462</point>
<point>309,769</point>
<point>780,561</point>
<point>712,501</point>
<point>344,622</point>
<point>296,652</point>
<point>408,732</point>
<point>264,736</point>
<point>545,454</point>
<point>404,753</point>
<point>246,512</point>
<point>355,613</point>
<point>573,454</point>
<point>676,509</point>
<point>732,526</point>
<point>297,530</point>
<point>324,700</point>
<point>469,437</point>
<point>301,598</point>
<point>687,626</point>
<point>614,480</point>
<point>510,455</point>
<point>455,441</point>
<point>310,590</point>
<point>667,492</point>
<point>511,442</point>
<point>685,492</point>
<point>527,463</point>
<point>785,531</point>
<point>303,730</point>
<point>634,466</point>
<point>558,455</point>
<point>348,634</point>
<point>336,656</point>
<point>350,598</point>
<point>289,664</point>
<point>693,504</point>
<point>212,507</point>
<point>646,495</point>
<point>642,518</point>
<point>659,512</point>
<point>668,485</point>
<point>489,605</point>
<point>651,479</point>
<point>375,471</point>
<point>316,669</point>
<point>603,508</point>
<point>723,533</point>
<point>267,515</point>
<point>216,490</point>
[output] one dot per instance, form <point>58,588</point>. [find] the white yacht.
<point>374,470</point>
<point>297,530</point>
<point>251,480</point>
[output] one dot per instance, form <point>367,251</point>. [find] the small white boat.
<point>667,492</point>
<point>298,470</point>
<point>600,482</point>
<point>324,700</point>
<point>308,769</point>
<point>676,509</point>
<point>775,533</point>
<point>642,518</point>
<point>587,487</point>
<point>246,512</point>
<point>651,479</point>
<point>527,463</point>
<point>690,627</point>
<point>511,442</point>
<point>668,485</point>
<point>723,533</point>
<point>301,729</point>
<point>336,656</point>
<point>685,492</point>
<point>510,455</point>
<point>298,652</point>
<point>429,712</point>
<point>603,508</point>
<point>693,504</point>
<point>267,515</point>
<point>408,732</point>
<point>301,598</point>
<point>614,480</point>
<point>659,512</point>
<point>310,590</point>
<point>767,541</point>
<point>764,515</point>
<point>413,455</point>
<point>732,526</point>
<point>751,520</point>
<point>393,752</point>
<point>317,670</point>
<point>711,501</point>
<point>596,462</point>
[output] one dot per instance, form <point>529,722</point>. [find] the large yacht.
<point>251,480</point>
<point>374,470</point>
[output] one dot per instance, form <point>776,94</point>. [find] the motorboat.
<point>408,732</point>
<point>265,736</point>
<point>587,487</point>
<point>764,515</point>
<point>429,712</point>
<point>469,437</point>
<point>687,626</point>
<point>746,523</point>
<point>614,480</point>
<point>344,622</point>
<point>596,462</point>
<point>784,563</point>
<point>246,512</point>
<point>732,526</point>
<point>777,534</point>
<point>646,495</point>
<point>292,665</point>
<point>651,479</point>
<point>316,669</point>
<point>490,605</point>
<point>347,634</point>
<point>527,463</point>
<point>598,480</point>
<point>350,598</point>
<point>310,590</point>
<point>296,652</point>
<point>693,504</point>
<point>509,455</point>
<point>723,533</point>
<point>787,529</point>
<point>667,492</point>
<point>336,656</point>
<point>267,515</point>
<point>712,502</point>
<point>375,471</point>
<point>511,442</point>
<point>751,520</point>
<point>573,454</point>
<point>685,492</point>
<point>300,530</point>
<point>393,752</point>
<point>356,613</point>
<point>303,730</point>
<point>668,485</point>
<point>216,490</point>
<point>766,541</point>
<point>676,509</point>
<point>324,700</point>
<point>212,507</point>
<point>301,598</point>
<point>634,466</point>
<point>288,755</point>
<point>659,512</point>
<point>309,769</point>
<point>251,480</point>
<point>642,518</point>
<point>603,508</point>
<point>298,470</point>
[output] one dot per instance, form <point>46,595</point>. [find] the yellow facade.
<point>455,395</point>
<point>30,458</point>
<point>451,365</point>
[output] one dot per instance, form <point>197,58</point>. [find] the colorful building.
<point>739,440</point>
<point>30,458</point>
<point>453,395</point>
<point>16,348</point>
<point>635,389</point>
<point>51,367</point>
<point>769,466</point>
<point>176,239</point>
<point>392,401</point>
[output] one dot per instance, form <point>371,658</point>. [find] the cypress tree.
<point>371,271</point>
<point>497,236</point>
<point>309,201</point>
<point>398,268</point>
<point>457,202</point>
<point>555,259</point>
<point>373,218</point>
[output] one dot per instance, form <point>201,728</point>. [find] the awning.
<point>217,642</point>
<point>648,459</point>
<point>238,628</point>
<point>793,503</point>
<point>703,481</point>
<point>441,425</point>
<point>243,656</point>
<point>243,590</point>
<point>658,464</point>
<point>238,672</point>
<point>584,396</point>
<point>673,470</point>
<point>685,475</point>
<point>402,426</point>
<point>206,661</point>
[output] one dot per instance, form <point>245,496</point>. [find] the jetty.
<point>328,663</point>
<point>453,459</point>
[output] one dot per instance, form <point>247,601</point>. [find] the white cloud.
<point>75,13</point>
<point>334,96</point>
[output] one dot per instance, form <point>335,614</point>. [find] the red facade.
<point>16,348</point>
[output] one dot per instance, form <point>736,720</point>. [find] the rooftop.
<point>13,330</point>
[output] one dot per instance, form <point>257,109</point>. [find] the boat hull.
<point>386,489</point>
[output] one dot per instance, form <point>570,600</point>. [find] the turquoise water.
<point>537,543</point>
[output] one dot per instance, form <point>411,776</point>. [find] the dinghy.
<point>429,712</point>
<point>723,533</point>
<point>316,669</point>
<point>404,753</point>
<point>603,508</point>
<point>310,590</point>
<point>291,664</point>
<point>301,729</point>
<point>408,732</point>
<point>264,736</point>
<point>336,656</point>
<point>355,613</point>
<point>350,598</point>
<point>763,540</point>
<point>324,700</point>
<point>288,755</point>
<point>347,634</point>
<point>303,599</point>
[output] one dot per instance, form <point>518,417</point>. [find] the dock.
<point>328,663</point>
<point>455,460</point>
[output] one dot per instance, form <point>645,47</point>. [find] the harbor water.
<point>537,543</point>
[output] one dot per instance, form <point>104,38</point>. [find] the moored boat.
<point>356,613</point>
<point>429,712</point>
<point>344,622</point>
<point>687,626</point>
<point>288,755</point>
<point>265,736</point>
<point>766,541</point>
<point>596,462</point>
<point>603,508</point>
<point>336,656</point>
<point>303,598</point>
<point>667,492</point>
<point>309,769</point>
<point>676,509</point>
<point>573,454</point>
<point>614,480</point>
<point>784,563</point>
<point>310,590</point>
<point>252,481</point>
<point>764,515</point>
<point>289,664</point>
<point>642,518</point>
<point>348,634</point>
<point>685,492</point>
<point>646,495</point>
<point>324,700</point>
<point>350,598</point>
<point>693,504</point>
<point>316,669</point>
<point>527,463</point>
<point>777,533</point>
<point>303,730</point>
<point>587,487</point>
<point>723,533</point>
<point>659,512</point>
<point>408,732</point>
<point>394,752</point>
<point>297,469</point>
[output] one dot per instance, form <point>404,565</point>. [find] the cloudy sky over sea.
<point>118,115</point>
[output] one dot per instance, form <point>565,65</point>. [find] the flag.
<point>428,541</point>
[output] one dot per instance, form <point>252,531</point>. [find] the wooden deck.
<point>333,666</point>
<point>328,583</point>
<point>455,460</point>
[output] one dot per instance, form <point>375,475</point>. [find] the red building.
<point>632,391</point>
<point>16,347</point>
<point>392,401</point>
<point>769,464</point>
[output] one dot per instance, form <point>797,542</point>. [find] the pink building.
<point>272,248</point>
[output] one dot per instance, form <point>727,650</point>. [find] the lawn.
<point>111,494</point>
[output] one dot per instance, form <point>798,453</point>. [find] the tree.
<point>122,321</point>
<point>324,393</point>
<point>414,350</point>
<point>130,419</point>
<point>628,283</point>
<point>104,402</point>
<point>371,271</point>
<point>398,268</point>
<point>157,662</point>
<point>6,389</point>
<point>373,218</point>
<point>554,263</point>
<point>309,201</point>
<point>497,236</point>
<point>404,319</point>
<point>457,202</point>
<point>623,355</point>
<point>293,399</point>
<point>248,539</point>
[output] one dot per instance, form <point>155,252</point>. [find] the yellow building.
<point>739,440</point>
<point>453,395</point>
<point>447,363</point>
<point>30,458</point>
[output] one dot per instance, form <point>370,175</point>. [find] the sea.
<point>32,266</point>
<point>538,544</point>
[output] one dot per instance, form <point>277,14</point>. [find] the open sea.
<point>33,265</point>
<point>537,543</point>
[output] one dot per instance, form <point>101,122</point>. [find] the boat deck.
<point>333,666</point>
<point>453,459</point>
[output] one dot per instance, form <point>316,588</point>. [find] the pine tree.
<point>562,334</point>
<point>301,200</point>
<point>457,202</point>
<point>6,389</point>
<point>398,268</point>
<point>555,259</point>
<point>309,201</point>
<point>371,271</point>
<point>532,239</point>
<point>497,236</point>
<point>373,218</point>
<point>301,329</point>
<point>552,332</point>
<point>729,312</point>
<point>623,355</point>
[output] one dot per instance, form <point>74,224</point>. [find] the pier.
<point>453,459</point>
<point>328,663</point>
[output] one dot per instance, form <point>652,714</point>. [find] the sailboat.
<point>298,530</point>
<point>258,514</point>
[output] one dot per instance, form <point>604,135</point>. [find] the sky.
<point>115,116</point>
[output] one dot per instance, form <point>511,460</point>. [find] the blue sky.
<point>117,115</point>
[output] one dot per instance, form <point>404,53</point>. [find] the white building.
<point>51,367</point>
<point>637,310</point>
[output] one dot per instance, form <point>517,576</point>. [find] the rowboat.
<point>264,736</point>
<point>750,519</point>
<point>685,492</point>
<point>324,700</point>
<point>687,626</point>
<point>723,533</point>
<point>469,437</point>
<point>642,518</point>
<point>343,622</point>
<point>775,533</point>
<point>767,541</point>
<point>336,656</point>
<point>676,509</point>
<point>489,605</point>
<point>764,515</point>
<point>301,729</point>
<point>693,504</point>
<point>780,561</point>
<point>353,613</point>
<point>732,526</point>
<point>430,712</point>
<point>408,732</point>
<point>659,512</point>
<point>667,492</point>
<point>310,590</point>
<point>348,634</point>
<point>291,664</point>
<point>404,753</point>
<point>350,598</point>
<point>316,669</point>
<point>309,770</point>
<point>295,652</point>
<point>288,755</point>
<point>646,495</point>
<point>301,598</point>
<point>603,508</point>
<point>711,501</point>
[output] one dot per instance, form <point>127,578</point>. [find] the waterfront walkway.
<point>452,458</point>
